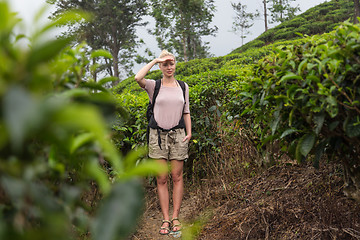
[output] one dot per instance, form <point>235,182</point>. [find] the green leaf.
<point>76,92</point>
<point>319,122</point>
<point>274,124</point>
<point>332,107</point>
<point>88,118</point>
<point>101,53</point>
<point>134,155</point>
<point>319,150</point>
<point>20,114</point>
<point>299,157</point>
<point>212,108</point>
<point>46,52</point>
<point>19,37</point>
<point>69,17</point>
<point>93,86</point>
<point>80,140</point>
<point>291,117</point>
<point>144,169</point>
<point>306,143</point>
<point>107,79</point>
<point>288,132</point>
<point>289,76</point>
<point>94,170</point>
<point>301,67</point>
<point>119,212</point>
<point>352,127</point>
<point>333,125</point>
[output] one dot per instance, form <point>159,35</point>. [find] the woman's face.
<point>168,68</point>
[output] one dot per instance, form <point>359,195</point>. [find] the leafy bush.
<point>306,97</point>
<point>55,142</point>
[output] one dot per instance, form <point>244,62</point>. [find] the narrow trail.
<point>151,220</point>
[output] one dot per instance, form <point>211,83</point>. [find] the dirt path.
<point>151,221</point>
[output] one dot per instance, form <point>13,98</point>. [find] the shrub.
<point>307,98</point>
<point>55,146</point>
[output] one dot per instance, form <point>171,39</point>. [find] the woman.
<point>168,142</point>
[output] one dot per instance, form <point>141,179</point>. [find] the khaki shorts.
<point>172,145</point>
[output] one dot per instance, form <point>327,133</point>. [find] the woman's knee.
<point>177,177</point>
<point>162,180</point>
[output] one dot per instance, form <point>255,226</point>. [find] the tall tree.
<point>265,2</point>
<point>281,10</point>
<point>180,26</point>
<point>113,28</point>
<point>243,20</point>
<point>357,11</point>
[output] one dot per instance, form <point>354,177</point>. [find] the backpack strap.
<point>182,85</point>
<point>152,104</point>
<point>156,91</point>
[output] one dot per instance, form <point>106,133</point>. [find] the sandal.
<point>178,226</point>
<point>167,229</point>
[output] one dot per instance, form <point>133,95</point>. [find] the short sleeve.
<point>149,88</point>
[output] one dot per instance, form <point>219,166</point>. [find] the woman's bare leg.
<point>163,193</point>
<point>178,188</point>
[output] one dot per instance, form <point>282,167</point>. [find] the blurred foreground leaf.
<point>119,212</point>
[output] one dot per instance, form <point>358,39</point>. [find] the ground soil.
<point>286,201</point>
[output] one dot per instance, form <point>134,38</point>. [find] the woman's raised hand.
<point>164,59</point>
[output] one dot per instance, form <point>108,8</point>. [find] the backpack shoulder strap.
<point>182,85</point>
<point>156,90</point>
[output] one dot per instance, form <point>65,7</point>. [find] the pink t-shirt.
<point>169,103</point>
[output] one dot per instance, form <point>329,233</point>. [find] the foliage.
<point>112,28</point>
<point>55,141</point>
<point>306,98</point>
<point>180,25</point>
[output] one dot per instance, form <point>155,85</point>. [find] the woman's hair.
<point>165,53</point>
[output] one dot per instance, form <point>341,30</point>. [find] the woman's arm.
<point>187,120</point>
<point>140,76</point>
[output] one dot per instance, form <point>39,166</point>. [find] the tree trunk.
<point>357,11</point>
<point>265,15</point>
<point>108,67</point>
<point>242,36</point>
<point>94,73</point>
<point>116,67</point>
<point>184,48</point>
<point>115,53</point>
<point>281,13</point>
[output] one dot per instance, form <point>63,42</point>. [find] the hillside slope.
<point>320,19</point>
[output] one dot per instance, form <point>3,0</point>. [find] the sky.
<point>223,43</point>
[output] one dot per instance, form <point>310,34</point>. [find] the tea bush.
<point>55,141</point>
<point>306,97</point>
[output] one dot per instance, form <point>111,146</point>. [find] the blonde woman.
<point>170,133</point>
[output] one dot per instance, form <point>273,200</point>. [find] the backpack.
<point>150,112</point>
